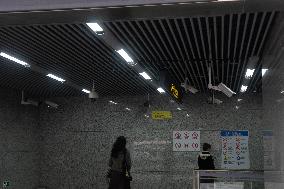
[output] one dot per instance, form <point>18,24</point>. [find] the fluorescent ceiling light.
<point>113,102</point>
<point>244,88</point>
<point>263,71</point>
<point>161,90</point>
<point>125,56</point>
<point>128,109</point>
<point>14,59</point>
<point>282,92</point>
<point>145,75</point>
<point>179,109</point>
<point>95,27</point>
<point>249,73</point>
<point>239,100</point>
<point>227,0</point>
<point>187,115</point>
<point>55,77</point>
<point>85,91</point>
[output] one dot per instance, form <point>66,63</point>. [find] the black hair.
<point>206,147</point>
<point>118,146</point>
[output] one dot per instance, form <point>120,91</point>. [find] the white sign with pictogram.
<point>186,141</point>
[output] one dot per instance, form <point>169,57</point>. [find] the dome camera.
<point>93,95</point>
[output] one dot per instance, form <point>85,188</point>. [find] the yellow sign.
<point>174,91</point>
<point>162,115</point>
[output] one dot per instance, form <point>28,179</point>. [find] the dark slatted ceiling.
<point>76,54</point>
<point>185,46</point>
<point>20,78</point>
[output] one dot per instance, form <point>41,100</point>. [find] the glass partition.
<point>228,179</point>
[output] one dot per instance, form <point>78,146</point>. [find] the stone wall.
<point>19,142</point>
<point>273,106</point>
<point>77,138</point>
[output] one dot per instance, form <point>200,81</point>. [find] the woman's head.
<point>118,146</point>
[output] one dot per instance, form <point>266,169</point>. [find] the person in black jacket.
<point>205,159</point>
<point>206,162</point>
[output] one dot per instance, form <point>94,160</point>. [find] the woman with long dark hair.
<point>120,164</point>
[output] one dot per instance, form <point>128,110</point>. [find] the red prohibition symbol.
<point>194,145</point>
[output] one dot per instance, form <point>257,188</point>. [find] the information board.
<point>226,185</point>
<point>186,141</point>
<point>235,150</point>
<point>160,115</point>
<point>268,150</point>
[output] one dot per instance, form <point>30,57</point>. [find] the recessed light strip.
<point>249,73</point>
<point>227,0</point>
<point>161,90</point>
<point>14,59</point>
<point>55,77</point>
<point>95,27</point>
<point>112,102</point>
<point>263,71</point>
<point>244,88</point>
<point>86,91</point>
<point>124,55</point>
<point>145,75</point>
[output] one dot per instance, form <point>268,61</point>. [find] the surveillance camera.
<point>26,101</point>
<point>29,102</point>
<point>226,90</point>
<point>187,87</point>
<point>93,95</point>
<point>51,104</point>
<point>214,101</point>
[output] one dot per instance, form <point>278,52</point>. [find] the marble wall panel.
<point>77,138</point>
<point>19,142</point>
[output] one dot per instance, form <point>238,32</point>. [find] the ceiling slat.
<point>195,74</point>
<point>203,81</point>
<point>190,73</point>
<point>235,74</point>
<point>228,62</point>
<point>240,51</point>
<point>246,57</point>
<point>265,33</point>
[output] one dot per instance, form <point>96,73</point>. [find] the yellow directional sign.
<point>161,115</point>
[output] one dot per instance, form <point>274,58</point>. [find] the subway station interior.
<point>141,94</point>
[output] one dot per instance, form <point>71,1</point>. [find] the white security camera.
<point>93,95</point>
<point>214,101</point>
<point>29,102</point>
<point>221,87</point>
<point>226,90</point>
<point>26,101</point>
<point>187,87</point>
<point>51,104</point>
